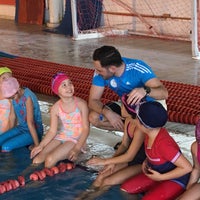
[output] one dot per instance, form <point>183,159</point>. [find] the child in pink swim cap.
<point>57,80</point>
<point>193,187</point>
<point>10,87</point>
<point>69,126</point>
<point>29,128</point>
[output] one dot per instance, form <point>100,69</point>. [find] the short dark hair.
<point>107,56</point>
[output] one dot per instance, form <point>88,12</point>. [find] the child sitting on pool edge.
<point>193,187</point>
<point>71,113</point>
<point>29,128</point>
<point>7,116</point>
<point>165,171</point>
<point>124,163</point>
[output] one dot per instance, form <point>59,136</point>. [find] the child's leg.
<point>166,190</point>
<point>138,184</point>
<point>193,193</point>
<point>18,141</point>
<point>9,141</point>
<point>40,158</point>
<point>121,175</point>
<point>40,131</point>
<point>59,153</point>
<point>109,177</point>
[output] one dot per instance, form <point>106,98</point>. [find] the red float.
<point>55,170</point>
<point>41,174</point>
<point>14,183</point>
<point>62,167</point>
<point>34,177</point>
<point>2,189</point>
<point>69,166</point>
<point>7,185</point>
<point>48,172</point>
<point>21,181</point>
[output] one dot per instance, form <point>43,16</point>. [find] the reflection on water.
<point>66,185</point>
<point>13,163</point>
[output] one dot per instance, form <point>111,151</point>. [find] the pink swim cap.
<point>57,80</point>
<point>9,87</point>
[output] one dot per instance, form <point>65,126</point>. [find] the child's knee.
<point>94,118</point>
<point>98,181</point>
<point>49,161</point>
<point>37,160</point>
<point>108,181</point>
<point>137,184</point>
<point>164,190</point>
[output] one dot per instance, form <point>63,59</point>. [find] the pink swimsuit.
<point>71,125</point>
<point>4,114</point>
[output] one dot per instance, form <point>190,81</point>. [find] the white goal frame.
<point>194,36</point>
<point>77,35</point>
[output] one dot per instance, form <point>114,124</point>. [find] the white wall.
<point>7,12</point>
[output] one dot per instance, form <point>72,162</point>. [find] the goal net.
<point>168,19</point>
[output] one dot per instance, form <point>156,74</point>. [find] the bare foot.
<point>84,195</point>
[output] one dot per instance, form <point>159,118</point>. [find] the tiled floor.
<point>171,60</point>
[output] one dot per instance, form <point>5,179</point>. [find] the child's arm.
<point>120,151</point>
<point>51,132</point>
<point>128,156</point>
<point>194,177</point>
<point>12,117</point>
<point>30,121</point>
<point>53,126</point>
<point>183,166</point>
<point>85,129</point>
<point>123,147</point>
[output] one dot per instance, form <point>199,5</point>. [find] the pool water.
<point>67,185</point>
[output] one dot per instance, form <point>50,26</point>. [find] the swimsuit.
<point>140,156</point>
<point>71,124</point>
<point>160,157</point>
<point>20,136</point>
<point>4,114</point>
